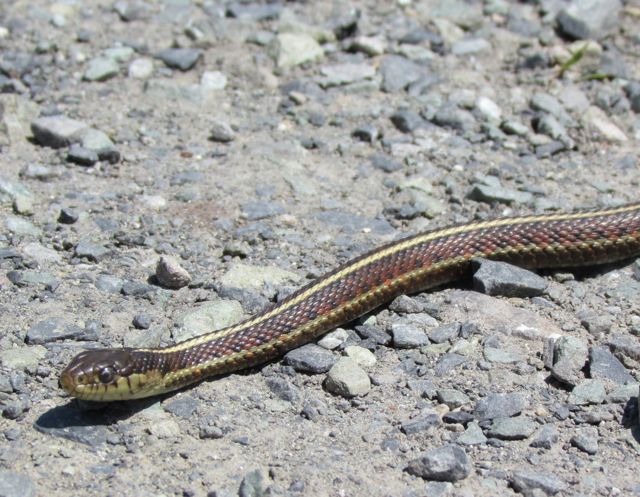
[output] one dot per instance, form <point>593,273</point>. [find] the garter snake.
<point>405,266</point>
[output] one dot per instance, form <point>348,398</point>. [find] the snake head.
<point>100,374</point>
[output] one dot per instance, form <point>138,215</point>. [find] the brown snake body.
<point>409,265</point>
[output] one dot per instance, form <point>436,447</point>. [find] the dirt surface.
<point>284,139</point>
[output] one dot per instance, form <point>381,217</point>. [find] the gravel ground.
<point>169,167</point>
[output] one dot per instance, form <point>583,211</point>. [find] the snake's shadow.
<point>84,421</point>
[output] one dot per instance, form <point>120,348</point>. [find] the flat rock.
<point>180,58</point>
<point>512,428</point>
<point>500,278</point>
<point>53,329</point>
<point>310,358</point>
<point>473,435</point>
<point>208,317</point>
<point>528,482</point>
<point>589,19</point>
<point>603,365</point>
<point>407,336</point>
<point>448,463</point>
<point>250,277</point>
<point>588,392</point>
<point>499,405</point>
<point>56,131</point>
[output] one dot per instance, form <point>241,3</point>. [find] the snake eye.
<point>106,375</point>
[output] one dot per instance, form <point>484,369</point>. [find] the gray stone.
<point>91,251</point>
<point>399,72</point>
<point>501,356</point>
<point>407,121</point>
<point>451,116</point>
<point>546,437</point>
<point>550,126</point>
<point>24,358</point>
<point>406,305</point>
<point>622,394</point>
<point>208,317</point>
<point>444,333</point>
<point>551,105</point>
<point>142,321</point>
<point>284,389</point>
<point>488,109</point>
<point>334,339</point>
<point>293,49</point>
<point>597,121</point>
<point>221,132</point>
<point>251,485</point>
<point>586,440</point>
<point>528,483</point>
<point>183,407</point>
<point>385,163</point>
<point>109,284</point>
<point>180,58</point>
<point>407,336</point>
<point>499,405</point>
<point>82,156</point>
<point>347,379</point>
<point>588,392</point>
<point>67,216</point>
<point>101,69</point>
<point>470,46</point>
<point>424,388</point>
<point>448,362</point>
<point>23,205</point>
<point>310,358</point>
<point>370,45</point>
<point>500,194</point>
<point>625,346</point>
<point>452,398</point>
<point>603,365</point>
<point>16,485</point>
<point>569,357</point>
<point>249,277</point>
<point>170,274</point>
<point>132,11</point>
<point>343,74</point>
<point>135,288</point>
<point>33,278</point>
<point>261,210</point>
<point>420,424</point>
<point>632,89</point>
<point>140,68</point>
<point>254,11</point>
<point>512,428</point>
<point>472,435</point>
<point>448,463</point>
<point>589,19</point>
<point>367,133</point>
<point>501,278</point>
<point>363,357</point>
<point>20,226</point>
<point>54,329</point>
<point>35,171</point>
<point>596,323</point>
<point>56,131</point>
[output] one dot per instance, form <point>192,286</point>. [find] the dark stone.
<point>183,407</point>
<point>603,365</point>
<point>180,58</point>
<point>499,405</point>
<point>448,463</point>
<point>420,424</point>
<point>310,358</point>
<point>500,278</point>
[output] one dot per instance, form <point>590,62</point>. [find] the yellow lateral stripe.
<point>398,247</point>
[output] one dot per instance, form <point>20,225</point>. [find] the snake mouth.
<point>67,384</point>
